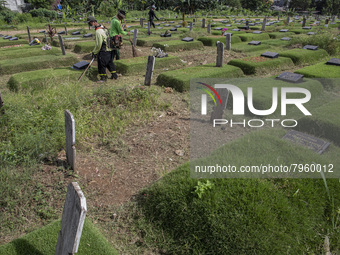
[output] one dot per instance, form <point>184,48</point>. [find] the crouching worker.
<point>102,50</point>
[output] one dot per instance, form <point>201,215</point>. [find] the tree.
<point>46,4</point>
<point>302,5</point>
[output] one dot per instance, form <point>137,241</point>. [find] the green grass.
<point>84,47</point>
<point>279,35</point>
<point>320,70</point>
<point>17,65</point>
<point>324,122</point>
<point>23,46</point>
<point>44,240</point>
<point>245,47</point>
<point>180,79</point>
<point>36,51</point>
<point>134,66</point>
<point>176,45</point>
<point>304,57</point>
<point>148,42</point>
<point>275,42</point>
<point>252,216</point>
<point>252,65</point>
<point>8,42</point>
<point>211,41</point>
<point>254,37</point>
<point>40,79</point>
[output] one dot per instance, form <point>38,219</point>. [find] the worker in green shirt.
<point>102,50</point>
<point>115,31</point>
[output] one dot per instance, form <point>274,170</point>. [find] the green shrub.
<point>44,13</point>
<point>17,65</point>
<point>302,57</point>
<point>133,66</point>
<point>252,65</point>
<point>274,213</point>
<point>324,122</point>
<point>175,45</point>
<point>180,79</point>
<point>211,41</point>
<point>8,16</point>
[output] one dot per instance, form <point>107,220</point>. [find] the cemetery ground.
<point>129,136</point>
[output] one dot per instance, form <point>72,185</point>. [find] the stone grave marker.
<point>149,27</point>
<point>166,35</point>
<point>310,47</point>
<point>304,21</point>
<point>150,65</point>
<point>171,22</point>
<point>167,25</point>
<point>218,109</point>
<point>42,31</point>
<point>80,65</point>
<point>157,24</point>
<point>65,30</point>
<point>29,34</point>
<point>334,61</point>
<point>187,39</point>
<point>288,20</point>
<point>209,28</point>
<point>269,54</point>
<point>190,26</point>
<point>220,53</point>
<point>76,33</point>
<point>203,23</point>
<point>7,37</point>
<point>229,25</point>
<point>13,39</point>
<point>61,44</point>
<point>257,32</point>
<point>306,28</point>
<point>1,102</point>
<point>159,27</point>
<point>70,139</point>
<point>173,29</point>
<point>254,43</point>
<point>141,22</point>
<point>178,26</point>
<point>228,41</point>
<point>290,77</point>
<point>217,28</point>
<point>72,221</point>
<point>306,140</point>
<point>311,33</point>
<point>45,37</point>
<point>286,38</point>
<point>235,29</point>
<point>134,40</point>
<point>264,24</point>
<point>87,35</point>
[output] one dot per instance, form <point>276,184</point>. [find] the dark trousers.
<point>116,53</point>
<point>105,61</point>
<point>151,23</point>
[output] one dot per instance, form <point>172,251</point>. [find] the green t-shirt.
<point>116,28</point>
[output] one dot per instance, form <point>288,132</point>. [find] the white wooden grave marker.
<point>72,221</point>
<point>70,139</point>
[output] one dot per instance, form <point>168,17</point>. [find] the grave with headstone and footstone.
<point>290,77</point>
<point>72,221</point>
<point>334,61</point>
<point>310,47</point>
<point>269,54</point>
<point>70,135</point>
<point>316,144</point>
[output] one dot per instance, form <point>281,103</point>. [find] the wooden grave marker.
<point>70,139</point>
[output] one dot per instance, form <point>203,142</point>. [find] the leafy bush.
<point>8,16</point>
<point>44,13</point>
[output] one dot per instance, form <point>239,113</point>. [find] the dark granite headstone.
<point>245,27</point>
<point>13,39</point>
<point>311,142</point>
<point>7,37</point>
<point>166,35</point>
<point>157,24</point>
<point>159,27</point>
<point>167,25</point>
<point>311,47</point>
<point>306,28</point>
<point>173,29</point>
<point>171,22</point>
<point>217,28</point>
<point>311,33</point>
<point>284,30</point>
<point>61,33</point>
<point>334,61</point>
<point>251,24</point>
<point>163,22</point>
<point>88,35</point>
<point>80,65</point>
<point>178,26</point>
<point>257,32</point>
<point>290,77</point>
<point>236,29</point>
<point>254,43</point>
<point>229,25</point>
<point>269,54</point>
<point>76,33</point>
<point>42,31</point>
<point>187,39</point>
<point>286,38</point>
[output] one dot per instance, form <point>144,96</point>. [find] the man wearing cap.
<point>102,50</point>
<point>152,15</point>
<point>116,29</point>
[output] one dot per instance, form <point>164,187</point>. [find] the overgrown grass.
<point>237,216</point>
<point>44,241</point>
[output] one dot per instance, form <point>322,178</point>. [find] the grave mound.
<point>175,45</point>
<point>320,70</point>
<point>211,41</point>
<point>301,56</point>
